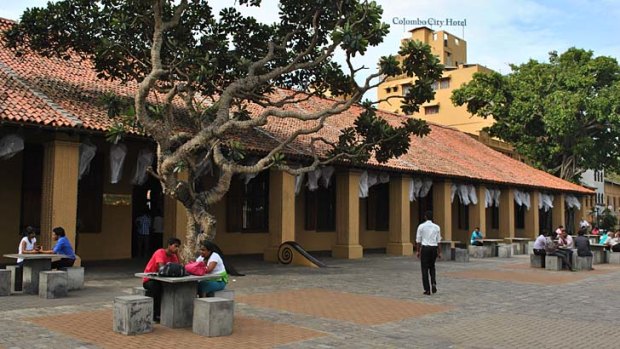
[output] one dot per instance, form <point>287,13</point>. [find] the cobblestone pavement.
<point>376,302</point>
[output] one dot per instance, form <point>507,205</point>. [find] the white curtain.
<point>247,177</point>
<point>299,180</point>
<point>466,192</point>
<point>522,198</point>
<point>572,201</point>
<point>145,159</point>
<point>368,179</point>
<point>453,190</point>
<point>473,197</point>
<point>419,188</point>
<point>363,185</point>
<point>313,179</point>
<point>492,197</point>
<point>545,201</point>
<point>87,153</point>
<point>118,152</point>
<point>10,145</point>
<point>326,175</point>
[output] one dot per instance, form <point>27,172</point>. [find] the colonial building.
<point>56,168</point>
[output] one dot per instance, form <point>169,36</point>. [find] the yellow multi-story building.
<point>452,53</point>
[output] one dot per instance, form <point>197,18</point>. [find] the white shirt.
<point>428,234</point>
<point>584,224</point>
<point>219,266</point>
<point>29,247</point>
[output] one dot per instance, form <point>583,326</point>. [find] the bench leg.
<point>177,304</point>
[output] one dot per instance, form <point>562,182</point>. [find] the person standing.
<point>159,259</point>
<point>143,230</point>
<point>427,240</point>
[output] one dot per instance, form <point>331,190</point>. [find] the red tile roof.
<point>65,93</point>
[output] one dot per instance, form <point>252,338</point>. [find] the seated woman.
<point>27,245</point>
<point>614,243</point>
<point>215,265</point>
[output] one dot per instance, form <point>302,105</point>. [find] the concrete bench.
<point>53,284</point>
<point>530,247</point>
<point>477,251</point>
<point>614,258</point>
<point>504,251</point>
<point>553,263</point>
<point>16,277</point>
<point>5,282</point>
<point>536,261</point>
<point>598,257</point>
<point>75,276</point>
<point>583,263</point>
<point>225,293</point>
<point>461,255</point>
<point>213,317</point>
<point>138,291</point>
<point>133,315</point>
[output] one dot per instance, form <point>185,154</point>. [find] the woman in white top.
<point>27,244</point>
<point>215,266</point>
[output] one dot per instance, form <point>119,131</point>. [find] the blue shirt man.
<point>476,237</point>
<point>63,246</point>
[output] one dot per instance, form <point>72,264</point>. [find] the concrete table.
<point>34,264</point>
<point>446,249</point>
<point>177,298</point>
<point>598,253</point>
<point>491,245</point>
<point>521,243</point>
<point>593,238</point>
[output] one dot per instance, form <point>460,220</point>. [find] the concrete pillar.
<point>532,228</point>
<point>442,208</point>
<point>60,189</point>
<point>557,213</point>
<point>478,213</point>
<point>281,212</point>
<point>347,216</point>
<point>507,214</point>
<point>399,243</point>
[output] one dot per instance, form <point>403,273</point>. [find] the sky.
<point>498,32</point>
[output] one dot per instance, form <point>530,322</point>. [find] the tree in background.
<point>564,116</point>
<point>179,53</point>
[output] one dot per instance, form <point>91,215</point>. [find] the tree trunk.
<point>200,227</point>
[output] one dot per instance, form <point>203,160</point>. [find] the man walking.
<point>427,239</point>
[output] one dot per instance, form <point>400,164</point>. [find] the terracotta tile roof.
<point>64,93</point>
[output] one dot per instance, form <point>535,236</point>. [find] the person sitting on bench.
<point>476,237</point>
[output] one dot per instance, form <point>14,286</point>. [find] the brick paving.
<point>376,302</point>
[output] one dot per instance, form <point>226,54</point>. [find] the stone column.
<point>399,243</point>
<point>557,213</point>
<point>507,214</point>
<point>281,212</point>
<point>442,208</point>
<point>60,189</point>
<point>478,213</point>
<point>347,216</point>
<point>532,228</point>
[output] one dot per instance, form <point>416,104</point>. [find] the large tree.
<point>563,115</point>
<point>197,73</point>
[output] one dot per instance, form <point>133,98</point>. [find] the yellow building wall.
<point>612,195</point>
<point>10,205</point>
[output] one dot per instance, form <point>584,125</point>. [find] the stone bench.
<point>53,284</point>
<point>614,258</point>
<point>138,291</point>
<point>461,255</point>
<point>553,263</point>
<point>213,316</point>
<point>536,261</point>
<point>17,274</point>
<point>504,251</point>
<point>5,282</point>
<point>133,315</point>
<point>75,276</point>
<point>477,251</point>
<point>598,257</point>
<point>225,293</point>
<point>583,263</point>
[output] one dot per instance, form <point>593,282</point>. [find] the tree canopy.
<point>216,65</point>
<point>563,115</point>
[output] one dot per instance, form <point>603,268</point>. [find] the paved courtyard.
<point>376,302</point>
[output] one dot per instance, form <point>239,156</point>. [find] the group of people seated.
<point>210,254</point>
<point>610,240</point>
<point>560,244</point>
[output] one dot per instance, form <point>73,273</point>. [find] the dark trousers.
<point>477,243</point>
<point>565,255</point>
<point>428,255</point>
<point>63,263</point>
<point>153,290</point>
<point>541,253</point>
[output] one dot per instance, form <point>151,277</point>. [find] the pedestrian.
<point>427,240</point>
<point>143,230</point>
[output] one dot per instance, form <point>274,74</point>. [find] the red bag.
<point>196,268</point>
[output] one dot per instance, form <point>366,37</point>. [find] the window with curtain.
<point>520,216</point>
<point>320,205</point>
<point>90,197</point>
<point>247,205</point>
<point>463,217</point>
<point>378,207</point>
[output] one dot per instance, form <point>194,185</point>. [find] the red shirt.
<point>159,256</point>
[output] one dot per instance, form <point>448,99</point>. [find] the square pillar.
<point>507,213</point>
<point>281,212</point>
<point>60,189</point>
<point>347,216</point>
<point>399,243</point>
<point>532,228</point>
<point>442,208</point>
<point>557,212</point>
<point>478,213</point>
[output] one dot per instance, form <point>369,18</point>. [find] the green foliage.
<point>562,115</point>
<point>608,220</point>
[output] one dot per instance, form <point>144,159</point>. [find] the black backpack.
<point>172,270</point>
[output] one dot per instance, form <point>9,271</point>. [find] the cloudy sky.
<point>498,32</point>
